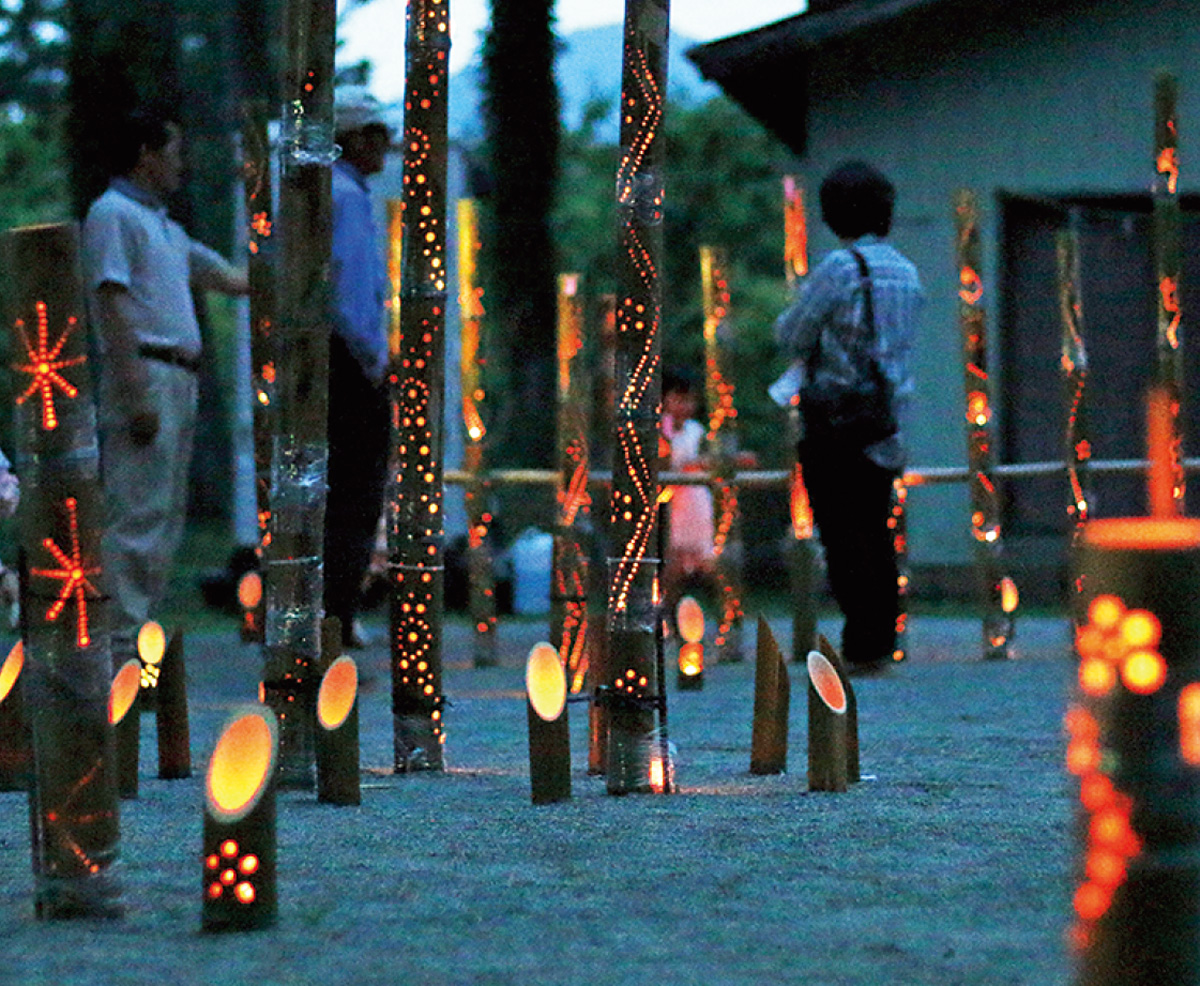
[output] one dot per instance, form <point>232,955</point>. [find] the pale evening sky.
<point>376,30</point>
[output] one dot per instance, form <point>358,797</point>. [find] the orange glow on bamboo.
<point>249,590</point>
<point>1189,724</point>
<point>802,516</point>
<point>795,229</point>
<point>1143,533</point>
<point>826,681</point>
<point>1144,672</point>
<point>151,643</point>
<point>10,670</point>
<point>1096,677</point>
<point>339,688</point>
<point>658,774</point>
<point>124,690</point>
<point>44,363</point>
<point>690,617</point>
<point>73,574</point>
<point>241,766</point>
<point>691,659</point>
<point>1161,412</point>
<point>545,682</point>
<point>1010,597</point>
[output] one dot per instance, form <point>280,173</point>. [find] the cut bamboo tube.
<point>998,626</point>
<point>827,754</point>
<point>73,804</point>
<point>722,440</point>
<point>239,841</point>
<point>549,729</point>
<point>772,700</point>
<point>151,642</point>
<point>293,573</point>
<point>570,625</point>
<point>417,374</point>
<point>803,560</point>
<point>1133,745</point>
<point>831,654</point>
<point>16,753</point>
<point>172,721</point>
<point>599,673</point>
<point>124,716</point>
<point>337,735</point>
<point>638,698</point>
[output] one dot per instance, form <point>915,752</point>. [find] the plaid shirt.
<point>829,306</point>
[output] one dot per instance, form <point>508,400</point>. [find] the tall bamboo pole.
<point>1074,363</point>
<point>481,599</point>
<point>73,806</point>
<point>981,456</point>
<point>570,630</point>
<point>803,560</point>
<point>637,696</point>
<point>299,456</point>
<point>260,213</point>
<point>722,450</point>
<point>1168,262</point>
<point>417,380</point>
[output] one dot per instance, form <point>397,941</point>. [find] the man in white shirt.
<point>140,268</point>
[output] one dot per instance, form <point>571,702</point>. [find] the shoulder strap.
<point>868,298</point>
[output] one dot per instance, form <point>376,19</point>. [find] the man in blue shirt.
<point>849,486</point>
<point>358,352</point>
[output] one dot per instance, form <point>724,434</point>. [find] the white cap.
<point>355,108</point>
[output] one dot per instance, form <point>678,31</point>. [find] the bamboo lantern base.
<point>171,714</point>
<point>826,726</point>
<point>16,751</point>
<point>831,654</point>
<point>804,608</point>
<point>772,697</point>
<point>123,714</point>
<point>549,729</point>
<point>337,748</point>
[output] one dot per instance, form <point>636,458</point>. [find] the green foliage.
<point>724,189</point>
<point>33,175</point>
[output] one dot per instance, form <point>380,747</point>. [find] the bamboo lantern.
<point>637,702</point>
<point>830,653</point>
<point>1134,749</point>
<point>417,386</point>
<point>1074,361</point>
<point>67,672</point>
<point>549,729</point>
<point>239,847</point>
<point>1168,260</point>
<point>250,598</point>
<point>151,642</point>
<point>898,525</point>
<point>689,617</point>
<point>337,735</point>
<point>722,447</point>
<point>569,622</point>
<point>772,701</point>
<point>998,626</point>
<point>292,567</point>
<point>257,182</point>
<point>826,726</point>
<point>123,715</point>
<point>16,754</point>
<point>795,230</point>
<point>171,715</point>
<point>803,562</point>
<point>481,598</point>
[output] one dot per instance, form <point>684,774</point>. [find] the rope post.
<point>723,447</point>
<point>417,379</point>
<point>998,623</point>
<point>67,672</point>
<point>634,689</point>
<point>481,593</point>
<point>294,576</point>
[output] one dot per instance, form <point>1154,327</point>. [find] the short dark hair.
<point>856,199</point>
<point>141,128</point>
<point>680,380</point>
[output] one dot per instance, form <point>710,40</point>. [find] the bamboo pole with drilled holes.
<point>417,386</point>
<point>636,696</point>
<point>1074,362</point>
<point>73,801</point>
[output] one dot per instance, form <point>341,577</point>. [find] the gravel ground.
<point>951,866</point>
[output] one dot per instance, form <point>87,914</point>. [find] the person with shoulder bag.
<point>851,329</point>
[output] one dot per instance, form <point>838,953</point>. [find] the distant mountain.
<point>588,67</point>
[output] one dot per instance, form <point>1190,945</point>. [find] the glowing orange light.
<point>1144,672</point>
<point>44,364</point>
<point>124,690</point>
<point>1096,677</point>
<point>73,575</point>
<point>248,864</point>
<point>1083,757</point>
<point>545,682</point>
<point>691,660</point>
<point>972,287</point>
<point>1092,901</point>
<point>151,643</point>
<point>978,411</point>
<point>1141,628</point>
<point>690,618</point>
<point>1189,724</point>
<point>826,681</point>
<point>244,892</point>
<point>1095,791</point>
<point>1106,612</point>
<point>795,229</point>
<point>335,698</point>
<point>658,774</point>
<point>1145,533</point>
<point>802,516</point>
<point>1167,163</point>
<point>1010,598</point>
<point>1105,868</point>
<point>241,765</point>
<point>215,890</point>
<point>10,670</point>
<point>229,848</point>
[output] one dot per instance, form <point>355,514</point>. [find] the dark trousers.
<point>851,501</point>
<point>358,454</point>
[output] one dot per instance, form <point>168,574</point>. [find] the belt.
<point>169,354</point>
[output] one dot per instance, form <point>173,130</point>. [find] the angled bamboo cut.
<point>294,578</point>
<point>67,669</point>
<point>636,695</point>
<point>417,375</point>
<point>827,737</point>
<point>689,618</point>
<point>171,714</point>
<point>722,440</point>
<point>998,625</point>
<point>834,657</point>
<point>549,728</point>
<point>772,698</point>
<point>570,627</point>
<point>337,746</point>
<point>481,588</point>
<point>239,849</point>
<point>16,752</point>
<point>125,718</point>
